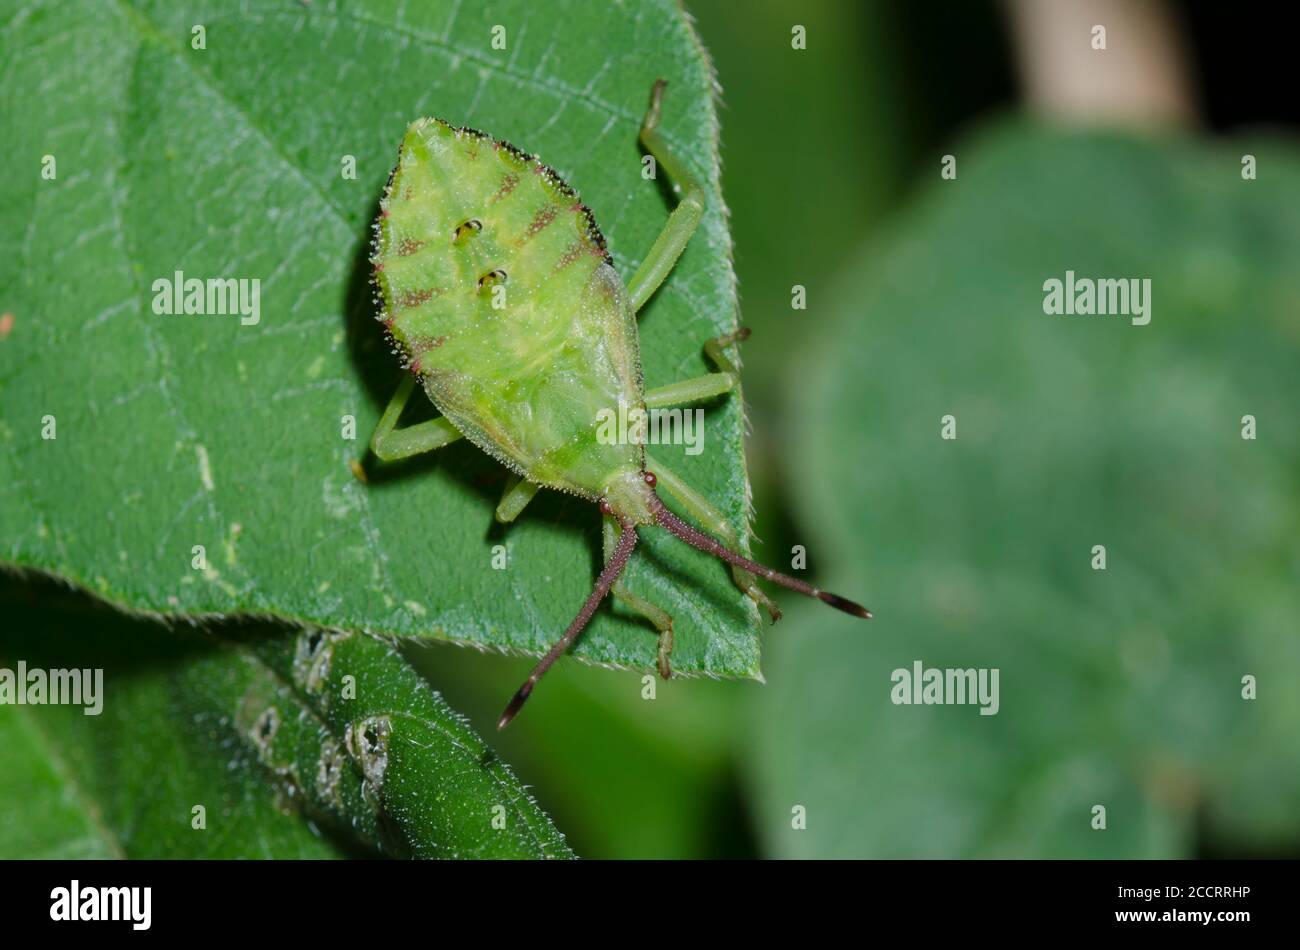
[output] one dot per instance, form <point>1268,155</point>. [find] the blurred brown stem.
<point>1141,78</point>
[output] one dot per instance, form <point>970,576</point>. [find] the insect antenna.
<point>615,566</point>
<point>698,539</point>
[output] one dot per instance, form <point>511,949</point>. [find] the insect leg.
<point>698,507</point>
<point>613,568</point>
<point>515,498</point>
<point>662,621</point>
<point>685,217</point>
<point>689,390</point>
<point>702,387</point>
<point>389,442</point>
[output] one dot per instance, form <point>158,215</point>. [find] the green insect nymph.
<point>499,292</point>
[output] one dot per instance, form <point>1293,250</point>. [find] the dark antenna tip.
<point>844,604</point>
<point>516,703</point>
<point>613,568</point>
<point>711,545</point>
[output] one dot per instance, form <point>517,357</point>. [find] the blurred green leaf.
<point>801,194</point>
<point>177,431</point>
<point>267,731</point>
<point>1120,687</point>
<point>814,143</point>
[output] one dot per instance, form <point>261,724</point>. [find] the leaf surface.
<point>241,741</point>
<point>1120,687</point>
<point>232,162</point>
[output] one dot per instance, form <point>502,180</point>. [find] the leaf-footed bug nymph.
<point>465,215</point>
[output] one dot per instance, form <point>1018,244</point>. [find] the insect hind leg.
<point>390,443</point>
<point>682,222</point>
<point>661,619</point>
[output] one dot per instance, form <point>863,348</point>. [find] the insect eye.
<point>604,507</point>
<point>492,277</point>
<point>465,229</point>
<point>650,479</point>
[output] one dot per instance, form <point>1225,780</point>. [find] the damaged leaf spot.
<point>313,654</point>
<point>367,742</point>
<point>329,771</point>
<point>264,730</point>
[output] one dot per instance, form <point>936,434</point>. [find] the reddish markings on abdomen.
<point>507,185</point>
<point>413,298</point>
<point>544,216</point>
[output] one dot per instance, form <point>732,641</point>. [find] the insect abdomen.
<point>499,290</point>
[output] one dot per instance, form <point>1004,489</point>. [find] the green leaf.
<point>665,757</point>
<point>226,162</point>
<point>1121,687</point>
<point>261,729</point>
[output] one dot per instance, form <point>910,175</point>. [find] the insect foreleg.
<point>682,222</point>
<point>662,621</point>
<point>515,498</point>
<point>390,443</point>
<point>698,507</point>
